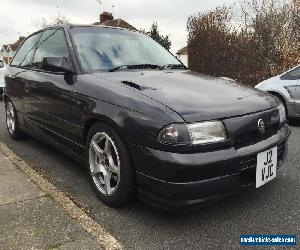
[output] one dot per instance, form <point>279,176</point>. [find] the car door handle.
<point>26,87</point>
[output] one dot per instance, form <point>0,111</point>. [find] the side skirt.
<point>52,138</point>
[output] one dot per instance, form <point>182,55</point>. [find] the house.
<point>107,19</point>
<point>7,51</point>
<point>183,55</point>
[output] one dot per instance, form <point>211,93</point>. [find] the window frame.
<point>287,76</point>
<point>31,60</point>
<point>72,56</point>
<point>47,71</point>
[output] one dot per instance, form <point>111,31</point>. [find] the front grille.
<point>253,137</point>
<point>248,163</point>
<point>244,130</point>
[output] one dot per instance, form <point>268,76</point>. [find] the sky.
<point>19,17</point>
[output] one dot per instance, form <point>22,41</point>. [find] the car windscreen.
<point>101,48</point>
<point>2,64</point>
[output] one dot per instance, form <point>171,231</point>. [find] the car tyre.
<point>12,121</point>
<point>110,167</point>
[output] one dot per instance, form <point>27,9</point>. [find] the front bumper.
<point>174,180</point>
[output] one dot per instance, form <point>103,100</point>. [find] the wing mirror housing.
<point>57,64</point>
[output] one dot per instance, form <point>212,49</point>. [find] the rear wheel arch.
<point>12,120</point>
<point>5,98</point>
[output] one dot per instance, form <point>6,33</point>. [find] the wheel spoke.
<point>10,123</point>
<point>96,169</point>
<point>107,177</point>
<point>10,108</point>
<point>112,166</point>
<point>107,147</point>
<point>104,163</point>
<point>96,148</point>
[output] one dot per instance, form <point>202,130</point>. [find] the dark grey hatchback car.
<point>142,123</point>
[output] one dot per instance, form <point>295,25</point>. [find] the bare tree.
<point>58,19</point>
<point>266,43</point>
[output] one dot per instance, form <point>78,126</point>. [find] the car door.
<point>297,97</point>
<point>291,81</point>
<point>48,96</point>
<point>15,74</point>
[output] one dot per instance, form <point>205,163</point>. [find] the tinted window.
<point>1,64</point>
<point>102,48</point>
<point>292,75</point>
<point>52,44</point>
<point>24,55</point>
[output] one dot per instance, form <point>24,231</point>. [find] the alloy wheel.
<point>10,118</point>
<point>104,163</point>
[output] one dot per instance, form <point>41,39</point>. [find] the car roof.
<point>69,26</point>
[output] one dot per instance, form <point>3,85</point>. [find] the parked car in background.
<point>2,69</point>
<point>139,120</point>
<point>287,88</point>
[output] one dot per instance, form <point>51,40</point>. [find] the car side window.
<point>53,43</point>
<point>292,75</point>
<point>23,57</point>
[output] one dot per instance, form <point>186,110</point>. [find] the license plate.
<point>266,167</point>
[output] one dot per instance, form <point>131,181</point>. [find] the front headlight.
<point>282,113</point>
<point>194,133</point>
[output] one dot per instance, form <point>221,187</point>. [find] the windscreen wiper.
<point>135,66</point>
<point>173,66</point>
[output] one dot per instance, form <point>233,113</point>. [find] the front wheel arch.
<point>94,120</point>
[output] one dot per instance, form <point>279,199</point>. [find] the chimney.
<point>106,16</point>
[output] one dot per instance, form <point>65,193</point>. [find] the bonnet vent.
<point>136,86</point>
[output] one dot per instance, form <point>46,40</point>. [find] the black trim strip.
<point>56,117</point>
<point>54,132</point>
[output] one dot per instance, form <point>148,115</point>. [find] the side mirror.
<point>57,64</point>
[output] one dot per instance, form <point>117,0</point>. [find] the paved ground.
<point>273,209</point>
<point>30,219</point>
